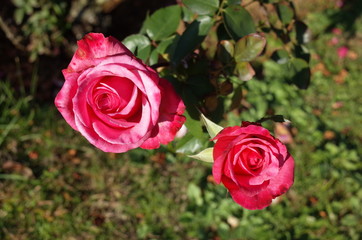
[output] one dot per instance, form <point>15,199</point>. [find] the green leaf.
<point>205,155</point>
<point>236,98</point>
<point>139,44</point>
<point>302,34</point>
<point>19,15</point>
<point>244,71</point>
<point>192,37</point>
<point>249,47</point>
<point>202,7</point>
<point>168,46</point>
<point>222,34</point>
<point>212,128</point>
<point>238,22</point>
<point>225,51</point>
<point>300,51</point>
<point>162,23</point>
<point>187,14</point>
<point>301,72</point>
<point>280,56</point>
<point>233,2</point>
<point>194,194</point>
<point>200,86</point>
<point>192,115</point>
<point>153,59</point>
<point>285,13</point>
<point>189,144</point>
<point>193,125</point>
<point>18,3</point>
<point>162,47</point>
<point>144,53</point>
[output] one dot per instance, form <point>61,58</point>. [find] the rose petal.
<point>63,100</point>
<point>81,108</point>
<point>141,130</point>
<point>170,120</point>
<point>147,82</point>
<point>95,46</point>
<point>256,130</point>
<point>284,180</point>
<point>220,152</point>
<point>104,126</point>
<point>258,201</point>
<point>114,99</point>
<point>128,98</point>
<point>100,143</point>
<point>122,88</point>
<point>276,187</point>
<point>244,188</point>
<point>229,132</point>
<point>122,66</point>
<point>273,161</point>
<point>253,165</point>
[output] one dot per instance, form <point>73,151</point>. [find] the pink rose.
<point>342,52</point>
<point>333,41</point>
<point>115,101</point>
<point>337,31</point>
<point>253,165</point>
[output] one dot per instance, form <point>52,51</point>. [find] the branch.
<point>14,40</point>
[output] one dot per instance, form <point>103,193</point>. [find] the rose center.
<point>107,102</point>
<point>112,94</point>
<point>252,159</point>
<point>254,162</point>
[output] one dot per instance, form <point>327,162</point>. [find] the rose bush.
<point>116,101</point>
<point>253,165</point>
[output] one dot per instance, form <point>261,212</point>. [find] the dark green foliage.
<point>238,22</point>
<point>202,7</point>
<point>193,36</point>
<point>162,23</point>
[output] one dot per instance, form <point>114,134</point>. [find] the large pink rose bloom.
<point>253,165</point>
<point>115,101</point>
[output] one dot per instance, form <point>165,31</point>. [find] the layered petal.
<point>253,165</point>
<point>116,101</point>
<point>284,180</point>
<point>92,48</point>
<point>170,120</point>
<point>63,100</point>
<point>276,187</point>
<point>253,202</point>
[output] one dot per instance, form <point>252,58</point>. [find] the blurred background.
<point>55,185</point>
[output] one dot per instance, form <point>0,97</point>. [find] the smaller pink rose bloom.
<point>116,101</point>
<point>342,52</point>
<point>334,41</point>
<point>337,31</point>
<point>340,3</point>
<point>253,165</point>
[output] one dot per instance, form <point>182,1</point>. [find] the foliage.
<point>206,50</point>
<point>41,24</point>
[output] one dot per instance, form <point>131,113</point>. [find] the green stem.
<point>221,7</point>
